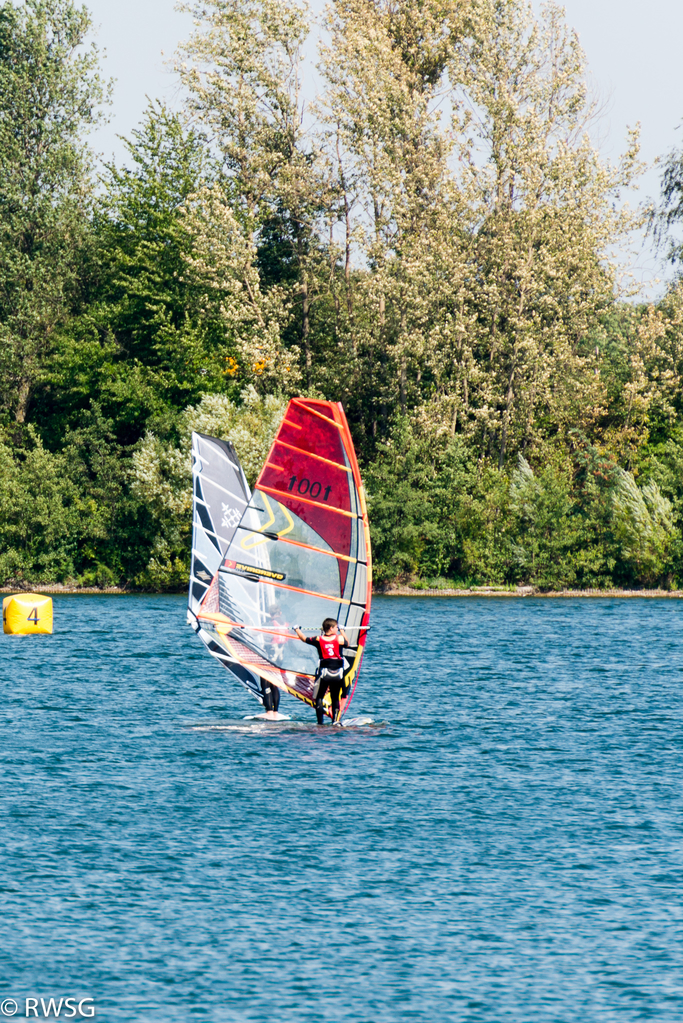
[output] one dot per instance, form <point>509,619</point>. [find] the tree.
<point>667,217</point>
<point>142,242</point>
<point>41,514</point>
<point>221,262</point>
<point>546,216</point>
<point>542,512</point>
<point>644,528</point>
<point>143,343</point>
<point>384,70</point>
<point>242,71</point>
<point>50,95</point>
<point>162,473</point>
<point>485,239</point>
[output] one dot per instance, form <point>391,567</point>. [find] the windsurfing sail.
<point>220,494</point>
<point>299,553</point>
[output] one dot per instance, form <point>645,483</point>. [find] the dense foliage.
<point>429,241</point>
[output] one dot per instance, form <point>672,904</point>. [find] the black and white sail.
<point>220,495</point>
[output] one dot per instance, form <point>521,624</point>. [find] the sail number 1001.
<point>305,486</point>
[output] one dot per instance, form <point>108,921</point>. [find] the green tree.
<point>41,514</point>
<point>242,70</point>
<point>544,203</point>
<point>142,344</point>
<point>161,474</point>
<point>384,72</point>
<point>50,95</point>
<point>645,530</point>
<point>665,218</point>
<point>545,530</point>
<point>142,243</point>
<point>404,521</point>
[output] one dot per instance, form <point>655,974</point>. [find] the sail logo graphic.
<point>235,566</point>
<point>230,516</point>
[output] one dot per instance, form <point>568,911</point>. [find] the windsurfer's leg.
<point>271,697</point>
<point>319,707</point>
<point>335,693</point>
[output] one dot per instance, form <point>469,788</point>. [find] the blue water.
<point>504,843</point>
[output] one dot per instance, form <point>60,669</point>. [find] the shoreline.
<point>55,588</point>
<point>523,591</point>
<point>389,591</point>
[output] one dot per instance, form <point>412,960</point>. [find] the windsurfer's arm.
<point>299,634</point>
<point>344,637</point>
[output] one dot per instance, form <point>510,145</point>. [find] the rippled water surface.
<point>503,842</point>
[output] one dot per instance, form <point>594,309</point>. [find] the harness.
<point>329,648</point>
<point>325,673</point>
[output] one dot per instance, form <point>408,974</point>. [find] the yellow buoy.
<point>25,614</point>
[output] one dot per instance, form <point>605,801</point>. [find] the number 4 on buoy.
<point>26,614</point>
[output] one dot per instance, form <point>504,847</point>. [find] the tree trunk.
<point>306,326</point>
<point>23,395</point>
<point>305,307</point>
<point>506,420</point>
<point>402,380</point>
<point>335,293</point>
<point>347,254</point>
<point>403,366</point>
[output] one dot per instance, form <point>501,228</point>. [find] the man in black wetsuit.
<point>269,691</point>
<point>330,673</point>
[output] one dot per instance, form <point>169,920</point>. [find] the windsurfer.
<point>278,637</point>
<point>330,673</point>
<point>270,694</point>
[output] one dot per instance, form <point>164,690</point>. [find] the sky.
<point>633,52</point>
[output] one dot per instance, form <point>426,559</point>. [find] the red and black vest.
<point>329,647</point>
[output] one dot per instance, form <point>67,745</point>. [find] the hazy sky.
<point>633,52</point>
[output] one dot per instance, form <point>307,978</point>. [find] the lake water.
<point>504,843</point>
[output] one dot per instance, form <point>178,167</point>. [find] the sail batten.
<point>315,412</point>
<point>298,589</point>
<point>303,500</point>
<point>318,458</point>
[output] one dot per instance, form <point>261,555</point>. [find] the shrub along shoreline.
<point>524,591</point>
<point>390,591</point>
